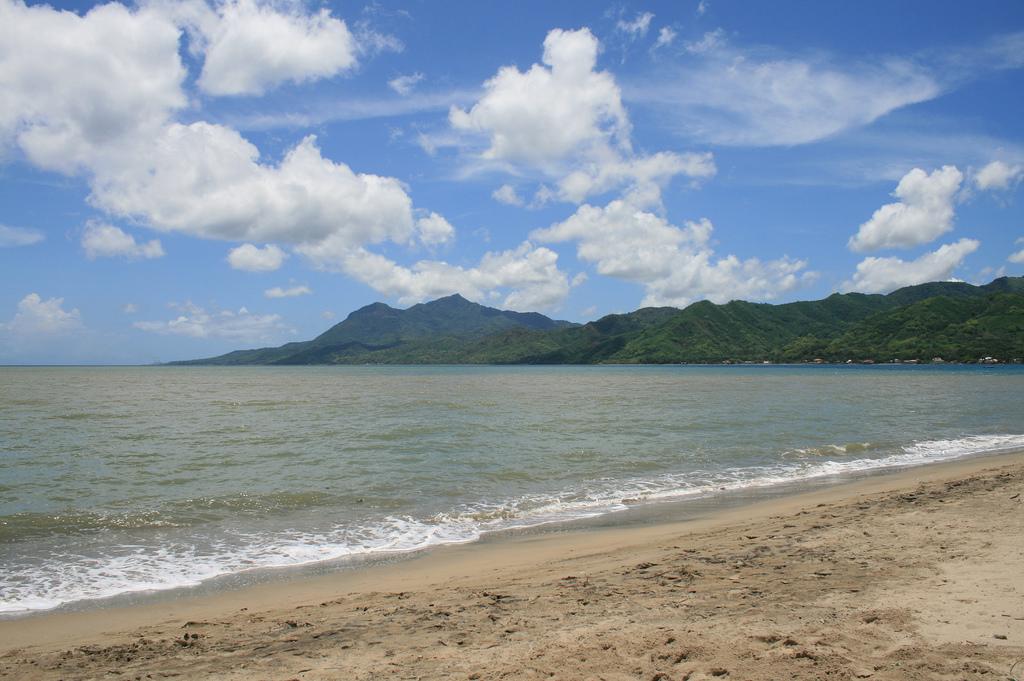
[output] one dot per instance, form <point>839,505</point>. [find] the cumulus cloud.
<point>523,278</point>
<point>676,265</point>
<point>508,195</point>
<point>637,28</point>
<point>291,292</point>
<point>19,236</point>
<point>998,175</point>
<point>100,240</point>
<point>79,90</point>
<point>881,275</point>
<point>206,180</point>
<point>38,317</point>
<point>403,85</point>
<point>433,230</point>
<point>753,97</point>
<point>923,213</point>
<point>129,308</point>
<point>553,109</point>
<point>251,258</point>
<point>97,94</point>
<point>249,47</point>
<point>196,322</point>
<point>563,117</point>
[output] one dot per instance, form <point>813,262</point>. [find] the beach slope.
<point>915,575</point>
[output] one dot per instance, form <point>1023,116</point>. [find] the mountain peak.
<point>372,308</point>
<point>453,299</point>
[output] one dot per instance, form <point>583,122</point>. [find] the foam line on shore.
<point>63,580</point>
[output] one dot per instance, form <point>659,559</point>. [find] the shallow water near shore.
<point>130,480</point>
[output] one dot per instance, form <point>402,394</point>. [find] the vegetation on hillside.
<point>956,321</point>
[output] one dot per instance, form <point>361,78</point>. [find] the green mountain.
<point>956,321</point>
<point>379,328</point>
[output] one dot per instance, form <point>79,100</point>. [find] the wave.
<point>64,578</point>
<point>182,513</point>
<point>831,450</point>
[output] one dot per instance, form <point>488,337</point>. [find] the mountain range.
<point>956,321</point>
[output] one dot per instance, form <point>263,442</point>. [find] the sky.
<point>181,178</point>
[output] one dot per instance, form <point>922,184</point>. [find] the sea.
<point>141,480</point>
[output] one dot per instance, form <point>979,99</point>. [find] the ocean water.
<point>121,480</point>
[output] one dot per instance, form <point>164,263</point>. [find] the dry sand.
<point>914,575</point>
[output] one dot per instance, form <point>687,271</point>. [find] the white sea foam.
<point>65,578</point>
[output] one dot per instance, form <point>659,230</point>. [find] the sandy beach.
<point>909,575</point>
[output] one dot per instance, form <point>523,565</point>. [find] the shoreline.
<point>638,512</point>
<point>492,563</point>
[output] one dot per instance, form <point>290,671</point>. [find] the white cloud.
<point>79,90</point>
<point>552,110</point>
<point>507,194</point>
<point>206,180</point>
<point>38,317</point>
<point>371,42</point>
<point>524,278</point>
<point>196,322</point>
<point>566,120</point>
<point>987,274</point>
<point>327,314</point>
<point>923,213</point>
<point>291,292</point>
<point>251,258</point>
<point>19,236</point>
<point>666,36</point>
<point>97,94</point>
<point>702,7</point>
<point>646,175</point>
<point>100,240</point>
<point>881,275</point>
<point>675,265</point>
<point>434,230</point>
<point>710,41</point>
<point>543,195</point>
<point>1018,257</point>
<point>998,175</point>
<point>250,47</point>
<point>637,28</point>
<point>725,95</point>
<point>129,308</point>
<point>403,85</point>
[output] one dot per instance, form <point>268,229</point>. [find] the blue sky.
<point>183,178</point>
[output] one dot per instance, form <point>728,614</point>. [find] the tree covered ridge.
<point>955,321</point>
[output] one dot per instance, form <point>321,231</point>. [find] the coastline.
<point>539,564</point>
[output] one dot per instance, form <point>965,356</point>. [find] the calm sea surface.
<point>117,480</point>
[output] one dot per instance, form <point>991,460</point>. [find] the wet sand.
<point>911,575</point>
